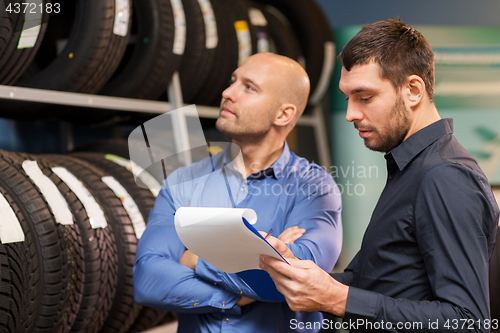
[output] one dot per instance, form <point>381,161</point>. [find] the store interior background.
<point>353,164</point>
<point>343,13</point>
<point>360,173</point>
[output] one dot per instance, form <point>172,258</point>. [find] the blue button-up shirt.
<point>291,192</point>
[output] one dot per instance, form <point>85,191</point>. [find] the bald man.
<point>294,198</point>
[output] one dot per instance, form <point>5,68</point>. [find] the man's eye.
<point>366,99</point>
<point>249,87</point>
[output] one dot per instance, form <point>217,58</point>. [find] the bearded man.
<point>423,262</point>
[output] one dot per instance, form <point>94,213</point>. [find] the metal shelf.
<point>314,120</point>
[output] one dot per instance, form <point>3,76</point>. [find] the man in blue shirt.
<point>423,262</point>
<point>295,198</point>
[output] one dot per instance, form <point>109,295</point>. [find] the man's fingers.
<point>290,235</point>
<point>294,262</point>
<point>281,267</point>
<point>245,301</point>
<point>295,236</point>
<point>306,286</point>
<point>281,281</point>
<point>281,247</point>
<point>189,259</point>
<point>287,278</point>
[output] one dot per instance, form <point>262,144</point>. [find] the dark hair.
<point>400,50</point>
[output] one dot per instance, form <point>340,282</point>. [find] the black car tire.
<point>58,247</point>
<point>313,30</point>
<point>233,48</point>
<point>123,310</point>
<point>14,56</point>
<point>151,59</point>
<point>91,54</point>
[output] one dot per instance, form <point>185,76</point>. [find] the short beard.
<point>244,131</point>
<point>239,134</point>
<point>395,135</point>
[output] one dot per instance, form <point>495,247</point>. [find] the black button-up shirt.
<point>424,256</point>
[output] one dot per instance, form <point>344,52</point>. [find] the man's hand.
<point>291,234</point>
<point>279,245</point>
<point>189,259</point>
<point>306,286</point>
<point>245,301</point>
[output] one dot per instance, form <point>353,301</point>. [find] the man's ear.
<point>286,113</point>
<point>414,90</point>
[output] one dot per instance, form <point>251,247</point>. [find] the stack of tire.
<point>131,48</point>
<point>69,226</point>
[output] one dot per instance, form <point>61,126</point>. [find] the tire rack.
<point>315,119</point>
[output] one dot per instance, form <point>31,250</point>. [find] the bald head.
<point>265,99</point>
<point>287,76</point>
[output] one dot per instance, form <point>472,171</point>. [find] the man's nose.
<point>353,113</point>
<point>229,93</point>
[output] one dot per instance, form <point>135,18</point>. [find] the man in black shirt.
<point>423,262</point>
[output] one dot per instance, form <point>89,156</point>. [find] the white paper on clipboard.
<point>221,237</point>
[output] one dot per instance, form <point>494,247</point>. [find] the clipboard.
<point>226,238</point>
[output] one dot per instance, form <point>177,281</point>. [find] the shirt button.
<point>241,293</point>
<point>222,310</point>
<point>226,320</point>
<point>195,304</point>
<point>215,283</point>
<point>391,176</point>
<point>243,189</point>
<point>223,303</point>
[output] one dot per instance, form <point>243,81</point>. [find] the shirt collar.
<point>276,169</point>
<point>412,146</point>
<point>279,165</point>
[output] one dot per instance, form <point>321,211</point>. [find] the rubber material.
<point>197,59</point>
<point>148,317</point>
<point>92,52</point>
<point>13,60</point>
<point>150,62</point>
<point>313,30</point>
<point>120,147</point>
<point>281,33</point>
<point>59,251</point>
<point>123,310</point>
<point>227,12</point>
<point>116,146</point>
<point>142,197</point>
<point>101,260</point>
<point>19,276</point>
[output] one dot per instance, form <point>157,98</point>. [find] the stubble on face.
<point>393,133</point>
<point>252,113</point>
<point>243,124</point>
<point>279,80</point>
